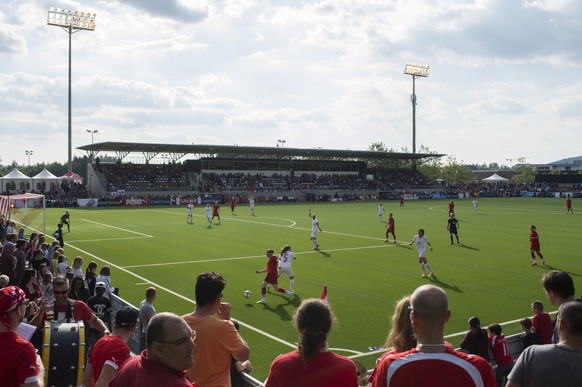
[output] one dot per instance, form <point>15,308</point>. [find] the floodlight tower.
<point>71,22</point>
<point>415,70</point>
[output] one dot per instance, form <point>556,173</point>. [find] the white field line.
<point>118,228</point>
<point>291,222</point>
<point>108,239</point>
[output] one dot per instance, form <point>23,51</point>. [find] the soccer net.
<point>26,210</point>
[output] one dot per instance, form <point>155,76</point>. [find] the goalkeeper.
<point>65,220</point>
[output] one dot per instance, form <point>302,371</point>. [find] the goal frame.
<point>7,205</point>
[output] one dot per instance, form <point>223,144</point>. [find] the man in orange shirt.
<point>217,338</point>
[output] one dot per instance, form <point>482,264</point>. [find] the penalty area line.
<point>118,228</point>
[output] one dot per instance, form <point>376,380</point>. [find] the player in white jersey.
<point>252,206</point>
<point>314,230</point>
<point>190,211</point>
<point>208,212</point>
<point>475,206</point>
<point>380,212</point>
<point>421,242</point>
<point>285,265</point>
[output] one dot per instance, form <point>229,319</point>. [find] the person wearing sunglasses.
<point>67,310</point>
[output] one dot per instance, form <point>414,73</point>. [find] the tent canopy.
<point>15,175</point>
<point>71,176</point>
<point>45,175</point>
<point>495,178</point>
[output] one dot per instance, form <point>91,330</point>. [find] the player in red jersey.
<point>271,278</point>
<point>432,362</point>
<point>534,246</point>
<point>215,212</point>
<point>233,202</point>
<point>452,207</point>
<point>390,228</point>
<point>401,200</point>
<point>569,204</point>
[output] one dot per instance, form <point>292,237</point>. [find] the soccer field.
<point>488,275</point>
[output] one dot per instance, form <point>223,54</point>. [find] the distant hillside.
<point>569,160</point>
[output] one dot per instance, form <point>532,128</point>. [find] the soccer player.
<point>452,226</point>
<point>252,206</point>
<point>390,228</point>
<point>215,212</point>
<point>65,220</point>
<point>569,204</point>
<point>534,246</point>
<point>475,206</point>
<point>401,200</point>
<point>208,212</point>
<point>285,265</point>
<point>314,230</point>
<point>451,207</point>
<point>190,211</point>
<point>380,212</point>
<point>271,278</point>
<point>232,204</point>
<point>421,242</point>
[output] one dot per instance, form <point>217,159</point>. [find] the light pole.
<point>92,133</point>
<point>282,142</point>
<point>71,22</point>
<point>28,153</point>
<point>415,70</point>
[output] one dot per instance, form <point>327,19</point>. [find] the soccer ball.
<point>247,294</point>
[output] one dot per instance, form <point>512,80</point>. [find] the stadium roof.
<point>177,151</point>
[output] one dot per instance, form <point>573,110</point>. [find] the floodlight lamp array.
<point>75,19</point>
<point>415,69</point>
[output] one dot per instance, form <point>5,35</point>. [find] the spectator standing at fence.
<point>102,308</point>
<point>105,277</point>
<point>475,340</point>
<point>432,362</point>
<point>529,336</point>
<point>111,351</point>
<point>542,322</point>
<point>217,337</point>
<point>559,288</point>
<point>554,364</point>
<point>312,364</point>
<point>19,363</point>
<point>170,345</point>
<point>146,312</point>
<point>91,277</point>
<point>501,354</point>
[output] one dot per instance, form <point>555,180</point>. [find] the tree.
<point>525,172</point>
<point>457,172</point>
<point>431,167</point>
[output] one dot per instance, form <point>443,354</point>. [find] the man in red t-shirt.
<point>432,362</point>
<point>19,364</point>
<point>534,246</point>
<point>542,322</point>
<point>66,309</point>
<point>501,353</point>
<point>271,278</point>
<point>110,352</point>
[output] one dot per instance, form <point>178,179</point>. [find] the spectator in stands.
<point>62,265</point>
<point>529,336</point>
<point>105,277</point>
<point>37,260</point>
<point>66,309</point>
<point>237,368</point>
<point>501,353</point>
<point>110,352</point>
<point>42,269</point>
<point>46,287</point>
<point>102,308</point>
<point>169,353</point>
<point>78,267</point>
<point>217,339</point>
<point>8,262</point>
<point>30,287</point>
<point>19,363</point>
<point>4,281</point>
<point>146,312</point>
<point>78,290</point>
<point>312,364</point>
<point>542,322</point>
<point>20,255</point>
<point>429,312</point>
<point>559,288</point>
<point>475,341</point>
<point>91,277</point>
<point>554,364</point>
<point>401,337</point>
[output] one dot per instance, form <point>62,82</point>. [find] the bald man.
<point>432,362</point>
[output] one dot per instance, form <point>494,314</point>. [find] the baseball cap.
<point>8,244</point>
<point>100,285</point>
<point>126,317</point>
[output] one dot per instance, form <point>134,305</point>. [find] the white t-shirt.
<point>380,210</point>
<point>252,203</point>
<point>190,208</point>
<point>475,203</point>
<point>314,228</point>
<point>208,211</point>
<point>421,244</point>
<point>285,259</point>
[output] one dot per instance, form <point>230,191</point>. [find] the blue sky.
<point>504,80</point>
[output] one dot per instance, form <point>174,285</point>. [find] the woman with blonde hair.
<point>401,337</point>
<point>78,267</point>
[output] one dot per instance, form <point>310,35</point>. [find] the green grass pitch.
<point>489,275</point>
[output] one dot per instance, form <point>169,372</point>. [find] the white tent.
<point>15,182</point>
<point>495,178</point>
<point>44,180</point>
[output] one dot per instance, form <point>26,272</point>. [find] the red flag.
<point>324,293</point>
